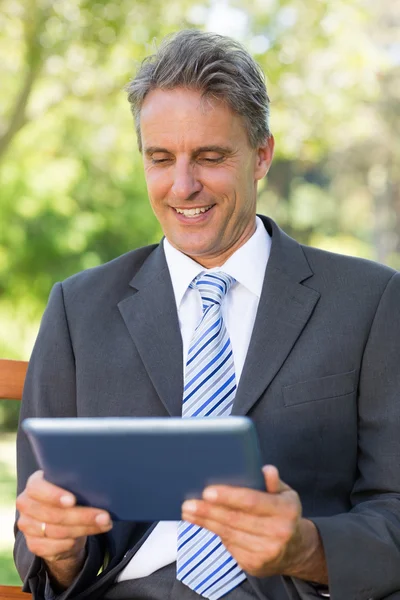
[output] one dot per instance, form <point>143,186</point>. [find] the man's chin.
<point>198,252</point>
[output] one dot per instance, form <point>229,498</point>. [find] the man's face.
<point>201,173</point>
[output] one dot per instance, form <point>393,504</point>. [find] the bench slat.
<point>12,377</point>
<point>13,592</point>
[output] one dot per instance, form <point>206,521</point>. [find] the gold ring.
<point>43,529</point>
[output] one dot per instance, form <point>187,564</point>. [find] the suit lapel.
<point>151,317</point>
<point>284,309</point>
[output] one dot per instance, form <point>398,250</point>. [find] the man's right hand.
<point>56,529</point>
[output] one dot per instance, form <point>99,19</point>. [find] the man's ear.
<point>264,157</point>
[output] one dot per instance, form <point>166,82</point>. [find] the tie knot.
<point>212,287</point>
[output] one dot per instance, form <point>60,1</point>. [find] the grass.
<point>8,573</point>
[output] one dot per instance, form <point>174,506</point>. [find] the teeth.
<point>192,212</point>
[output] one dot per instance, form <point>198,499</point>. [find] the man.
<point>306,341</point>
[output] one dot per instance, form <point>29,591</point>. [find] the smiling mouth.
<point>193,212</point>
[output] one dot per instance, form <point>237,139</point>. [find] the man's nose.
<point>185,183</point>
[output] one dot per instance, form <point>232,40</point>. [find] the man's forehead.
<point>181,118</point>
<point>179,96</point>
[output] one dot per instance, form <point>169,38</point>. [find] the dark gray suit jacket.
<point>321,382</point>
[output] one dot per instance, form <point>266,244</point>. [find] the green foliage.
<point>7,482</point>
<point>9,412</point>
<point>8,572</point>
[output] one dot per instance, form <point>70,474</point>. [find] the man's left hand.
<point>263,531</point>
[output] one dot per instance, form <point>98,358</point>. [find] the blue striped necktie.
<point>203,563</point>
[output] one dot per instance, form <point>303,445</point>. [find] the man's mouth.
<point>193,212</point>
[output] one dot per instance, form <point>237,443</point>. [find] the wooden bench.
<point>12,377</point>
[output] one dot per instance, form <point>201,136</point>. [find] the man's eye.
<point>157,161</point>
<point>211,159</point>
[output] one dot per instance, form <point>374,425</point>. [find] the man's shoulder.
<point>345,269</point>
<point>330,268</point>
<point>115,274</point>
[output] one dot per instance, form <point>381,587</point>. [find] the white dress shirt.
<point>247,265</point>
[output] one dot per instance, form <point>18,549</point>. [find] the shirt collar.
<point>247,265</point>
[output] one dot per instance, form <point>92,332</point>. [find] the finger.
<point>200,512</point>
<point>43,491</point>
<point>32,527</point>
<point>205,515</point>
<point>75,516</point>
<point>267,545</point>
<point>245,499</point>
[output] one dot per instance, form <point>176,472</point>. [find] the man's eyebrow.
<point>219,149</point>
<point>212,148</point>
<point>153,149</point>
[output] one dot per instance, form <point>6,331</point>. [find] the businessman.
<point>227,315</point>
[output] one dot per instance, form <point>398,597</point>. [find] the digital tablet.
<point>142,469</point>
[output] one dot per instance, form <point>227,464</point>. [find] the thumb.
<point>273,483</point>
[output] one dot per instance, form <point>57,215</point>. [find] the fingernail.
<point>103,519</point>
<point>67,500</point>
<point>267,468</point>
<point>189,506</point>
<point>210,494</point>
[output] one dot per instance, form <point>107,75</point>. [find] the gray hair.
<point>215,65</point>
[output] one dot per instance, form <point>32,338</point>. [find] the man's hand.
<point>263,531</point>
<point>55,529</point>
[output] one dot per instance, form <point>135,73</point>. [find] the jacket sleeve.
<point>362,547</point>
<point>50,391</point>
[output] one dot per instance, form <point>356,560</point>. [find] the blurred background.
<point>72,192</point>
